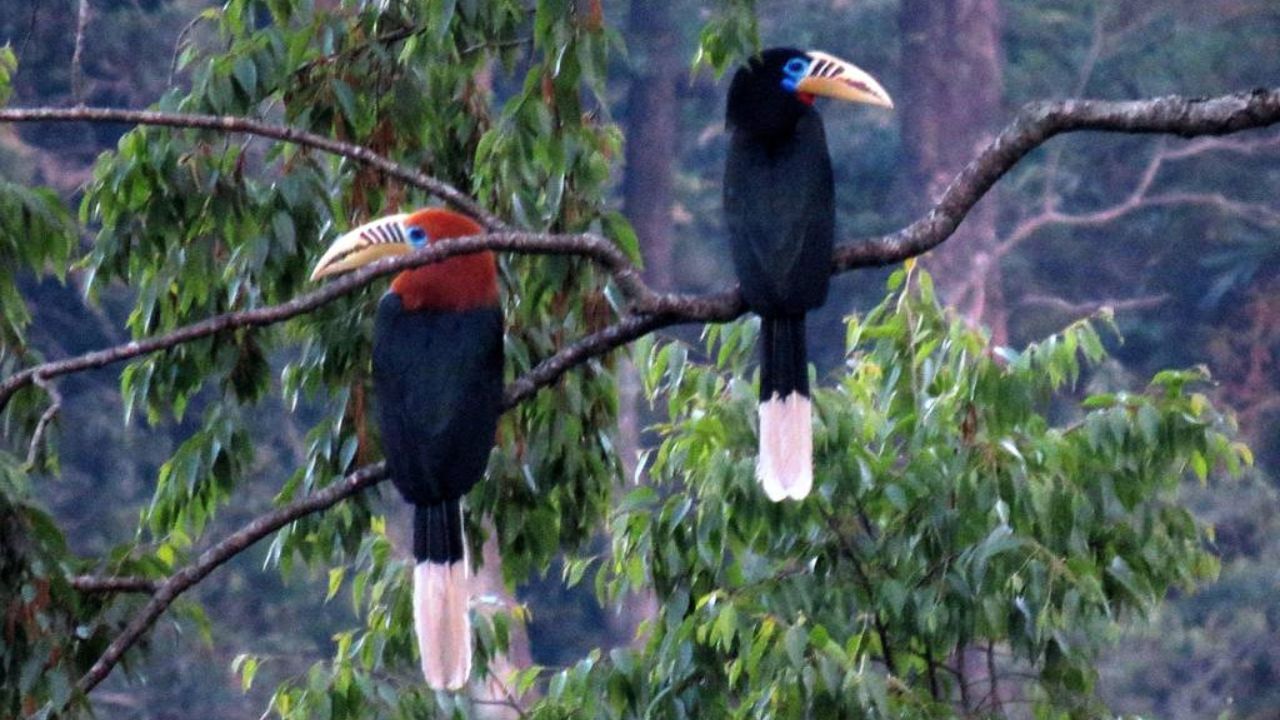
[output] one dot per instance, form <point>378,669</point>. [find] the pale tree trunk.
<point>953,83</point>
<point>652,134</point>
<point>647,195</point>
<point>498,689</point>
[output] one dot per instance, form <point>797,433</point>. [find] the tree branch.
<point>210,559</point>
<point>1085,309</point>
<point>606,253</point>
<point>1140,197</point>
<point>1034,124</point>
<point>114,584</point>
<point>249,126</point>
<point>1031,127</point>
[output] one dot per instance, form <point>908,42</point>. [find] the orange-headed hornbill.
<point>780,210</point>
<point>437,379</point>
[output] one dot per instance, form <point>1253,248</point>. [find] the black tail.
<point>441,595</point>
<point>785,463</point>
<point>437,532</point>
<point>784,362</point>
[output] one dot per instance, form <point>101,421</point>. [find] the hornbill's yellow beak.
<point>829,76</point>
<point>379,238</point>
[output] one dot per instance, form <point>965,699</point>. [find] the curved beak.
<point>829,76</point>
<point>375,239</point>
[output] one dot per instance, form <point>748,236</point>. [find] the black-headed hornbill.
<point>779,205</point>
<point>437,380</point>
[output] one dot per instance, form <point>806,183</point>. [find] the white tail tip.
<point>785,464</point>
<point>440,616</point>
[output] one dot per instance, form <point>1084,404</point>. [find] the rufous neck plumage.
<point>460,283</point>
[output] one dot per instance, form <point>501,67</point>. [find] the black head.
<point>762,97</point>
<point>777,87</point>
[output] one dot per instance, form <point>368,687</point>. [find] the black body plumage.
<point>437,377</point>
<point>779,196</point>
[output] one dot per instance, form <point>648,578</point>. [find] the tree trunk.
<point>647,198</point>
<point>652,133</point>
<point>488,583</point>
<point>952,64</point>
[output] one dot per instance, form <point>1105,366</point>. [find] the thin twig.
<point>1086,309</point>
<point>177,45</point>
<point>882,630</point>
<point>500,702</point>
<point>1240,146</point>
<point>55,404</point>
<point>31,29</point>
<point>995,678</point>
<point>77,56</point>
<point>1091,58</point>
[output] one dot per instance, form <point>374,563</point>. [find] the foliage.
<point>729,37</point>
<point>951,512</point>
<point>36,236</point>
<point>38,608</point>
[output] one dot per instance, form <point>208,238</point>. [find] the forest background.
<point>1179,238</point>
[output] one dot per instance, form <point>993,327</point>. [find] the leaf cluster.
<point>963,500</point>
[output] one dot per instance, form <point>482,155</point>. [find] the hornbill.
<point>779,206</point>
<point>437,380</point>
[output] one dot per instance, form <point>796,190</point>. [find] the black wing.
<point>779,203</point>
<point>438,381</point>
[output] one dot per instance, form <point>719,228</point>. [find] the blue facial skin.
<point>417,237</point>
<point>793,72</point>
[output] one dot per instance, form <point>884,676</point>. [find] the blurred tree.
<point>653,127</point>
<point>951,104</point>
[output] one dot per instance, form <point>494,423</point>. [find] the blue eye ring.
<point>417,236</point>
<point>793,72</point>
<point>796,67</point>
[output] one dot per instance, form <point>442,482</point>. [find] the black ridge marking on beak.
<point>343,256</point>
<point>861,86</point>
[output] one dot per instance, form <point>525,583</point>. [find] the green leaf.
<point>618,229</point>
<point>246,74</point>
<point>335,582</point>
<point>8,66</point>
